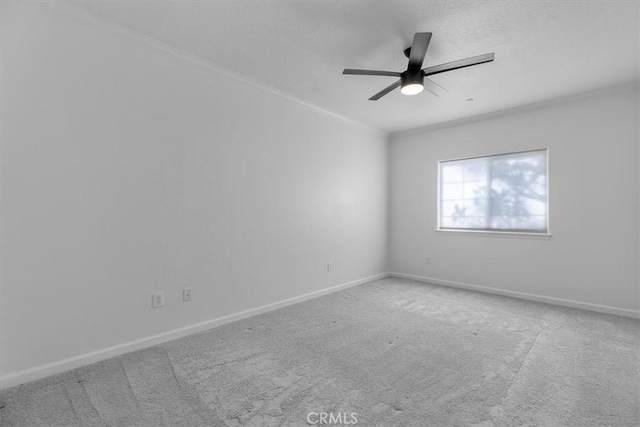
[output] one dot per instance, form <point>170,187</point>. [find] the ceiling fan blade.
<point>385,91</point>
<point>435,88</point>
<point>418,50</point>
<point>461,63</point>
<point>370,72</point>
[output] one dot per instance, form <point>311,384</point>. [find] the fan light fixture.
<point>412,89</point>
<point>412,83</point>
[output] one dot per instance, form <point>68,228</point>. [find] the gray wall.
<point>592,256</point>
<point>127,171</point>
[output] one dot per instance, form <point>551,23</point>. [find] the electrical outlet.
<point>427,260</point>
<point>157,300</point>
<point>186,294</point>
<point>329,266</point>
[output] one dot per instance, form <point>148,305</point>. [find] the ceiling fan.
<point>413,80</point>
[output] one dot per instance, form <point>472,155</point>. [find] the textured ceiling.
<point>544,50</point>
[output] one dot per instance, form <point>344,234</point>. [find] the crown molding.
<point>633,85</point>
<point>138,38</point>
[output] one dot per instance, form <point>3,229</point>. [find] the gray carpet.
<point>395,352</point>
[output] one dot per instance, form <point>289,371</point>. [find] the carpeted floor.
<point>394,352</point>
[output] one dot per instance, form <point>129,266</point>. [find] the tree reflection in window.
<point>504,192</point>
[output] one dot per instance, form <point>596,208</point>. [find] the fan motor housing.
<point>412,77</point>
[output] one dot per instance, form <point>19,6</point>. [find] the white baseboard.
<point>64,365</point>
<point>522,295</point>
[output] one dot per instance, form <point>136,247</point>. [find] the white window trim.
<point>495,233</point>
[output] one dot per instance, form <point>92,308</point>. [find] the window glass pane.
<point>476,169</point>
<point>452,191</point>
<point>452,173</point>
<point>533,222</point>
<point>473,208</point>
<point>452,207</point>
<point>473,222</point>
<point>473,189</point>
<point>501,222</point>
<point>446,222</point>
<point>502,192</point>
<point>536,207</point>
<point>461,222</point>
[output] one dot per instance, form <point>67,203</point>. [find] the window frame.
<point>494,231</point>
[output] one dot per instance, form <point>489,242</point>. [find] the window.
<point>504,193</point>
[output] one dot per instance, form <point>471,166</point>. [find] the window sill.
<point>501,234</point>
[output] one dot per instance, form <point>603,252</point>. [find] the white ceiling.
<point>544,50</point>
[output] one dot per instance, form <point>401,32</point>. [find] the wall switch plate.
<point>329,266</point>
<point>186,294</point>
<point>157,300</point>
<point>427,260</point>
